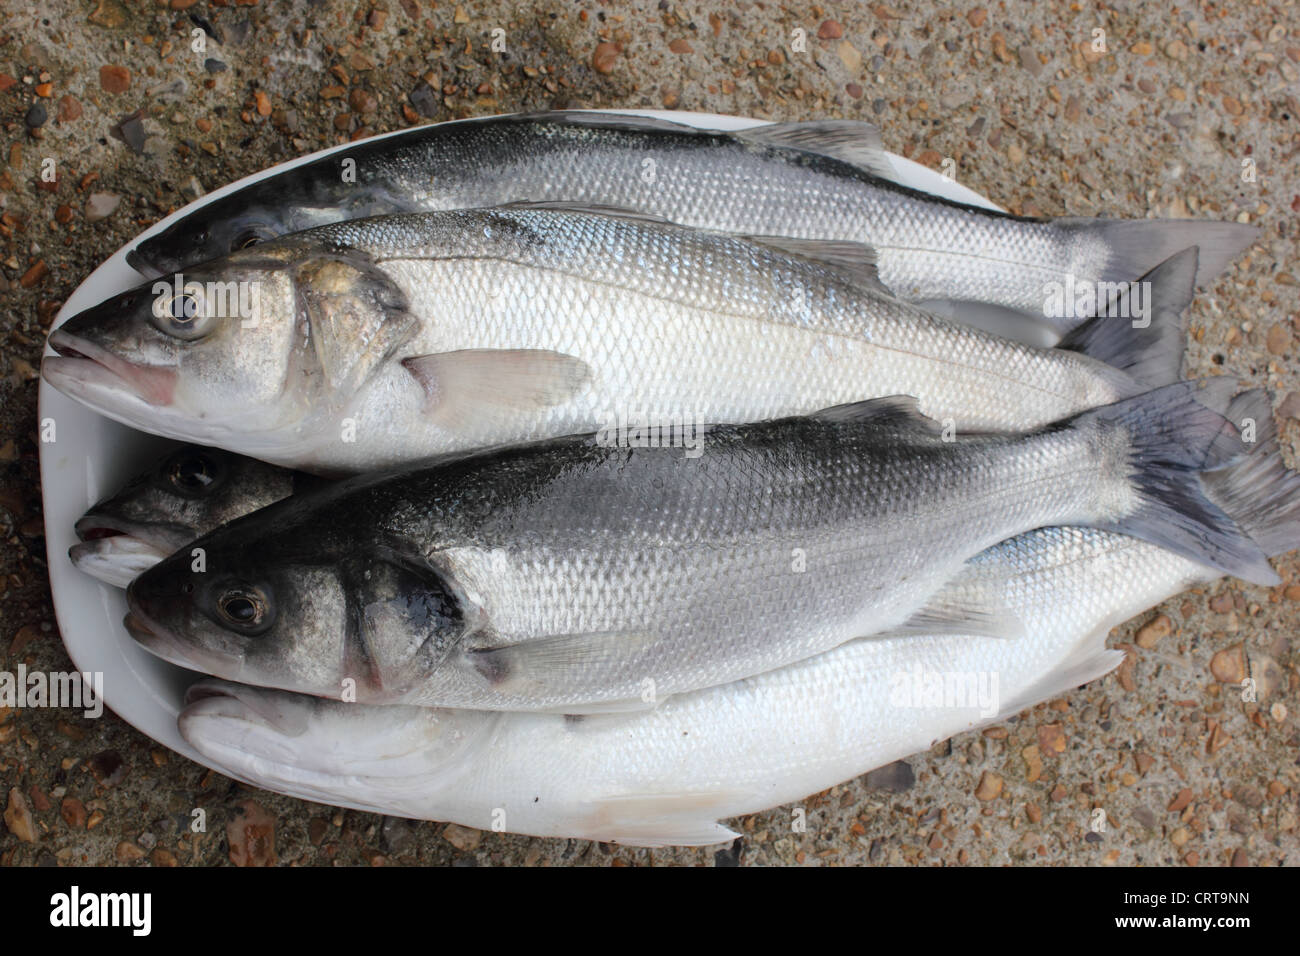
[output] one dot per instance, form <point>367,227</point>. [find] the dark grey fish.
<point>186,494</point>
<point>573,575</point>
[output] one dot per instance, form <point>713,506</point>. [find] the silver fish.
<point>382,341</point>
<point>827,179</point>
<point>570,575</point>
<point>188,493</point>
<point>671,775</point>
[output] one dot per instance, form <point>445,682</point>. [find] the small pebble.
<point>1229,665</point>
<point>423,99</point>
<point>1150,634</point>
<point>462,838</point>
<point>101,206</point>
<point>130,130</point>
<point>604,57</point>
<point>69,109</point>
<point>990,786</point>
<point>114,79</point>
<point>251,835</point>
<point>18,817</point>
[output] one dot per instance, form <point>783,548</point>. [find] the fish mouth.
<point>213,697</point>
<point>115,558</point>
<point>98,526</point>
<point>141,263</point>
<point>160,643</point>
<point>81,366</point>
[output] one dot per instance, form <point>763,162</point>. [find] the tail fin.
<point>1138,245</point>
<point>1151,351</point>
<point>1172,437</point>
<point>1260,493</point>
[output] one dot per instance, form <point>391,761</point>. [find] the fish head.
<point>308,609</point>
<point>248,352</point>
<point>188,493</point>
<point>222,226</point>
<point>329,750</point>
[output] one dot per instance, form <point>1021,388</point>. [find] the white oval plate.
<point>93,456</point>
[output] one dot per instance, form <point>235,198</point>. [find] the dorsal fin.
<point>588,208</point>
<point>609,121</point>
<point>899,410</point>
<point>855,261</point>
<point>850,141</point>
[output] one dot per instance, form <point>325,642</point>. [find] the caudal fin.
<point>1259,492</point>
<point>1136,246</point>
<point>1172,437</point>
<point>1141,330</point>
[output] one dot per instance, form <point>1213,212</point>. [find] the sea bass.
<point>570,575</point>
<point>670,775</point>
<point>188,493</point>
<point>382,341</point>
<point>825,179</point>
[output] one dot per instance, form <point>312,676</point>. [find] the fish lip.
<point>115,560</point>
<point>148,268</point>
<point>162,538</point>
<point>152,384</point>
<point>219,698</point>
<point>160,643</point>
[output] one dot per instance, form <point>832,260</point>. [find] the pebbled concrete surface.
<point>1191,110</point>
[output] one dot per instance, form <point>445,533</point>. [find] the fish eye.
<point>246,608</point>
<point>183,308</point>
<point>193,473</point>
<point>200,236</point>
<point>248,237</point>
<point>183,316</point>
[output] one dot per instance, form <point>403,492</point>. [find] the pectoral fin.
<point>565,664</point>
<point>462,386</point>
